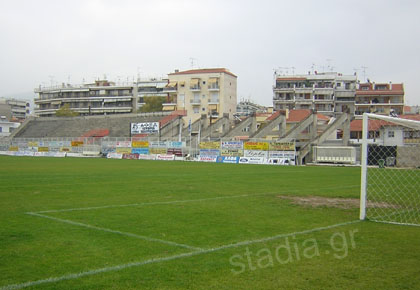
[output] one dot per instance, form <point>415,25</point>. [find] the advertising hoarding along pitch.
<point>145,128</point>
<point>283,146</point>
<point>140,144</point>
<point>256,146</point>
<point>232,145</point>
<point>209,152</point>
<point>143,151</point>
<point>209,145</point>
<point>232,152</point>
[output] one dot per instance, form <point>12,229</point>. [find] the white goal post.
<point>390,170</point>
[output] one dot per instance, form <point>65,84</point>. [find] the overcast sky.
<point>68,41</point>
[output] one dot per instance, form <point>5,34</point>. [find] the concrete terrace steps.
<point>118,125</point>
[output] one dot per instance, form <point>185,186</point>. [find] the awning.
<point>171,85</point>
<point>182,83</point>
<point>168,108</point>
<point>194,82</point>
<point>213,80</point>
<point>212,107</point>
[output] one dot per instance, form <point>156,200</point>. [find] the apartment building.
<point>212,92</point>
<point>380,98</point>
<point>327,93</point>
<point>247,108</point>
<point>14,109</point>
<point>99,98</point>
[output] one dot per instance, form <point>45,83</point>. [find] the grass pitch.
<point>69,223</point>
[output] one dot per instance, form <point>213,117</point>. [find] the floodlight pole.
<point>363,161</point>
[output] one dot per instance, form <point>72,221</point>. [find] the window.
<point>365,88</point>
<point>390,134</point>
<point>196,110</point>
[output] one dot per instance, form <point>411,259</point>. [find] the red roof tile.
<point>374,125</point>
<point>204,71</point>
<point>299,115</point>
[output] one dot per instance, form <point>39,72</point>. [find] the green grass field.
<point>69,223</point>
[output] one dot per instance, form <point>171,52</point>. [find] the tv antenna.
<point>364,72</point>
<point>193,62</point>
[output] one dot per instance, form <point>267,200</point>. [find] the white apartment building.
<point>327,93</point>
<point>99,98</point>
<point>211,91</point>
<point>14,109</point>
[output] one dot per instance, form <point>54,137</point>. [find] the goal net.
<point>390,178</point>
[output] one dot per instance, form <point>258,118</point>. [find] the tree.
<point>152,104</point>
<point>65,111</point>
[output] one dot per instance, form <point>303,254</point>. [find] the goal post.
<point>390,170</point>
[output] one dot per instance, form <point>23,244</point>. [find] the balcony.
<point>195,88</point>
<point>214,88</point>
<point>195,102</point>
<point>213,101</point>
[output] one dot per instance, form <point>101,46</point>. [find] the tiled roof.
<point>299,115</point>
<point>204,71</point>
<point>375,125</point>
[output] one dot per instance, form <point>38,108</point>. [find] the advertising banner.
<point>13,148</point>
<point>282,154</point>
<point>114,155</point>
<point>123,144</point>
<point>209,152</point>
<point>43,149</point>
<point>207,158</point>
<point>226,159</point>
<point>175,144</point>
<point>145,128</point>
<point>282,146</point>
<point>166,157</point>
<point>72,154</point>
<point>123,150</point>
<point>157,144</point>
<point>262,146</point>
<point>65,149</point>
<point>255,153</point>
<point>232,152</point>
<point>175,151</point>
<point>231,145</point>
<point>32,144</point>
<point>143,151</point>
<point>147,157</point>
<point>75,143</point>
<point>132,156</point>
<point>140,144</point>
<point>209,145</point>
<point>157,151</point>
<point>252,160</point>
<point>280,161</point>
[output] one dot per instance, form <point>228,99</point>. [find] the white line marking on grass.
<point>113,231</point>
<point>164,259</point>
<point>181,201</point>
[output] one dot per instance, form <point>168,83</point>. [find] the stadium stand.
<point>95,126</point>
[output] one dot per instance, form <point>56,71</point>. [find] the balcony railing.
<point>213,87</point>
<point>195,88</point>
<point>195,102</point>
<point>213,101</point>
